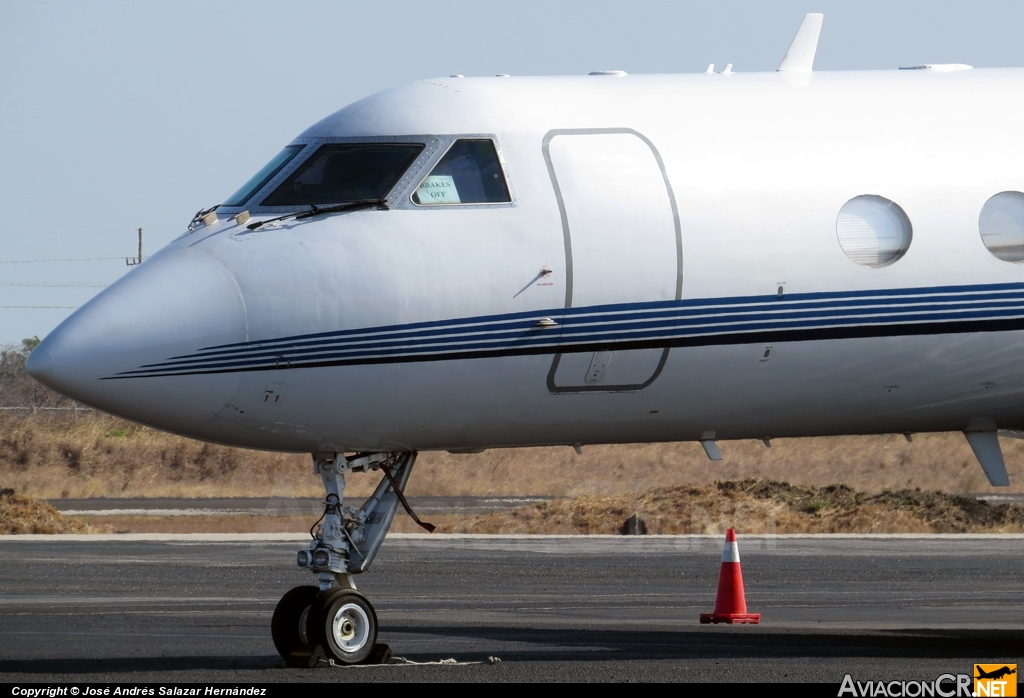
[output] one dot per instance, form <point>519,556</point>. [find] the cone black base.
<point>730,618</point>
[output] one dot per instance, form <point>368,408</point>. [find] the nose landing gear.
<point>335,621</point>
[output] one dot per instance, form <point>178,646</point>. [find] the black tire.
<point>344,624</point>
<point>284,626</point>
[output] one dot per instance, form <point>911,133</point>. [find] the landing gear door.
<point>624,259</point>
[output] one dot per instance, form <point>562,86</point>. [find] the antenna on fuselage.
<point>800,56</point>
<point>132,261</point>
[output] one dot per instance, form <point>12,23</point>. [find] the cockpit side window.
<point>469,173</point>
<point>340,173</point>
<point>260,179</point>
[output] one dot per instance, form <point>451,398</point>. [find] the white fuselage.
<point>702,289</point>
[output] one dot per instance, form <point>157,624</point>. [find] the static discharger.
<point>730,601</point>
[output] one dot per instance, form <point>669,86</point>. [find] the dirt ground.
<point>757,506</point>
<point>22,514</point>
<point>749,506</point>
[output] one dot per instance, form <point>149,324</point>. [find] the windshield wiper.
<point>381,204</point>
<point>199,216</point>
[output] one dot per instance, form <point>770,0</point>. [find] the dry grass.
<point>21,514</point>
<point>868,463</point>
<point>757,506</point>
<point>101,456</point>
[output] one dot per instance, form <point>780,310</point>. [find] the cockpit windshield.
<point>259,179</point>
<point>469,173</point>
<point>338,173</point>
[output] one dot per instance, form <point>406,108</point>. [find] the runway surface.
<point>197,608</point>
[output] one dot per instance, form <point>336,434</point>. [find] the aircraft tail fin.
<point>800,56</point>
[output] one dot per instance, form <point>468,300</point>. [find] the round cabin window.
<point>873,231</point>
<point>1002,226</point>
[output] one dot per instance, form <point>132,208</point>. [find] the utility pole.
<point>132,261</point>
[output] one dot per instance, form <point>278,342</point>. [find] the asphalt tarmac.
<point>599,608</point>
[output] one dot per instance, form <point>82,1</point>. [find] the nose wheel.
<point>288,626</point>
<point>344,624</point>
<point>341,622</point>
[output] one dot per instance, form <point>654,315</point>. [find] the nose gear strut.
<point>339,619</point>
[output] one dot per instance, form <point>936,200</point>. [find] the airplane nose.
<point>178,301</point>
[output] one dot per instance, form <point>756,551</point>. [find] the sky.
<point>116,116</point>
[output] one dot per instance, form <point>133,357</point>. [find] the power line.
<point>74,259</point>
<point>57,284</point>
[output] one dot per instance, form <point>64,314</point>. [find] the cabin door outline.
<point>599,357</point>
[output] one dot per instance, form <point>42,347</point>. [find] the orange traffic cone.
<point>730,604</point>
